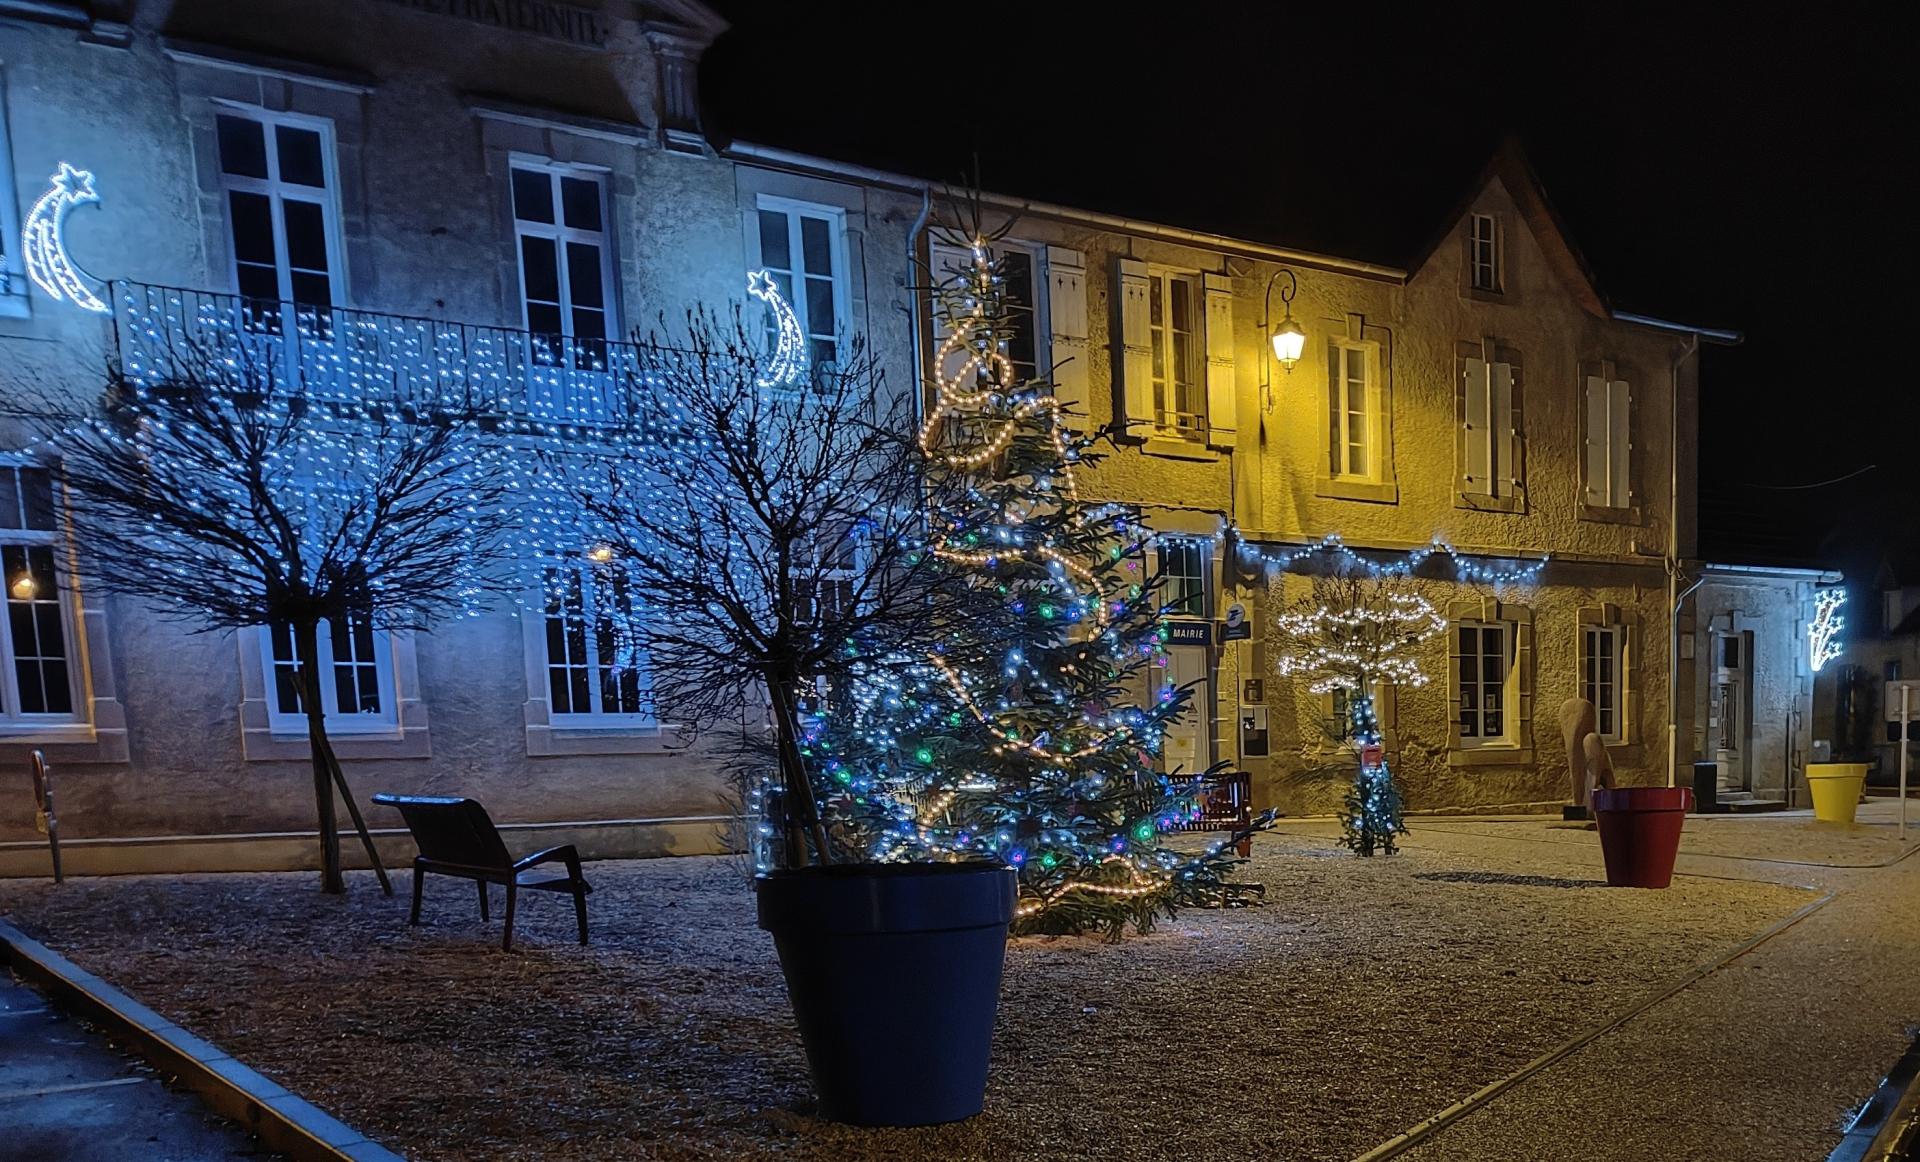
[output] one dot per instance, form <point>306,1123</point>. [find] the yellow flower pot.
<point>1836,790</point>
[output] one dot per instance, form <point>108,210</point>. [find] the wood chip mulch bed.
<point>1365,996</point>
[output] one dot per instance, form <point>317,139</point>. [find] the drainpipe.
<point>913,307</point>
<point>1675,597</point>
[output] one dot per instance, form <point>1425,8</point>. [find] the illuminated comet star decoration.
<point>1823,632</point>
<point>43,240</point>
<point>785,364</point>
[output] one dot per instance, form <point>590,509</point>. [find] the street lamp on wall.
<point>1289,337</point>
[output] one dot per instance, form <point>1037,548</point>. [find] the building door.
<point>1189,742</point>
<point>1729,727</point>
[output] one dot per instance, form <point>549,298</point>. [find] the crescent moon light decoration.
<point>783,367</point>
<point>43,242</point>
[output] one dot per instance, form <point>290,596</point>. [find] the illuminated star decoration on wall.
<point>43,241</point>
<point>784,366</point>
<point>1823,632</point>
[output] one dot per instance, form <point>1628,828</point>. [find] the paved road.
<point>1761,1061</point>
<point>67,1095</point>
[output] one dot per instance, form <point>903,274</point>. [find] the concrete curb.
<point>283,1122</point>
<point>1880,1131</point>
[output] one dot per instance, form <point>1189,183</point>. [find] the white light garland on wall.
<point>43,241</point>
<point>1466,568</point>
<point>1823,632</point>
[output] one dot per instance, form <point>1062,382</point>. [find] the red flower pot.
<point>1640,833</point>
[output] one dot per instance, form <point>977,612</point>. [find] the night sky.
<point>1747,167</point>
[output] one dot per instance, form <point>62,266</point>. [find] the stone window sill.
<point>1480,502</point>
<point>1371,491</point>
<point>1178,448</point>
<point>1506,755</point>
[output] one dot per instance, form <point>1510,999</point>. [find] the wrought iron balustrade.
<point>350,356</point>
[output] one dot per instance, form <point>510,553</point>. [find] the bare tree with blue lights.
<point>226,495</point>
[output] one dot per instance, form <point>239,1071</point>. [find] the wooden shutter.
<point>1476,466</point>
<point>1223,396</point>
<point>1136,347</point>
<point>1067,323</point>
<point>1336,447</point>
<point>1502,432</point>
<point>1619,445</point>
<point>1453,681</point>
<point>946,265</point>
<point>1597,460</point>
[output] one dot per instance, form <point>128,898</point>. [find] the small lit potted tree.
<point>769,532</point>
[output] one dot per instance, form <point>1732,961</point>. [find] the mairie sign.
<point>1189,633</point>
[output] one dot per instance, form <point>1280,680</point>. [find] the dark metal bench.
<point>1225,801</point>
<point>457,838</point>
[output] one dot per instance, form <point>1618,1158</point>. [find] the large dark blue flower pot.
<point>894,973</point>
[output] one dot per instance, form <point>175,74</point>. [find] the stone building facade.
<point>422,167</point>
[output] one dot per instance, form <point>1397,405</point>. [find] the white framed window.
<point>1483,252</point>
<point>1354,423</point>
<point>1602,676</point>
<point>1483,660</point>
<point>1339,710</point>
<point>596,675</point>
<point>15,301</point>
<point>825,587</point>
<point>1023,287</point>
<point>1489,434</point>
<point>804,248</point>
<point>278,179</point>
<point>561,242</point>
<point>1184,566</point>
<point>1174,326</point>
<point>357,692</point>
<point>41,683</point>
<point>1609,446</point>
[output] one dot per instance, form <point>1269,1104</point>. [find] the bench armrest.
<point>566,852</point>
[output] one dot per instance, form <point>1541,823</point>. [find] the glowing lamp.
<point>1289,337</point>
<point>23,588</point>
<point>1289,340</point>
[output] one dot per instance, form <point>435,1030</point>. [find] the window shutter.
<point>1223,397</point>
<point>1595,492</point>
<point>1067,320</point>
<point>1336,450</point>
<point>1453,683</point>
<point>1503,434</point>
<point>1477,467</point>
<point>1619,445</point>
<point>1136,350</point>
<point>946,265</point>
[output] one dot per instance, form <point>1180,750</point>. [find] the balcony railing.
<point>329,353</point>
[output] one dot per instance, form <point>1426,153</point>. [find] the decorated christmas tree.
<point>1357,630</point>
<point>1041,747</point>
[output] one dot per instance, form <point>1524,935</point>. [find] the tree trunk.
<point>353,811</point>
<point>803,809</point>
<point>306,641</point>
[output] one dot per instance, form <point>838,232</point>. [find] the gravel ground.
<point>1365,996</point>
<point>1763,1061</point>
<point>1791,836</point>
